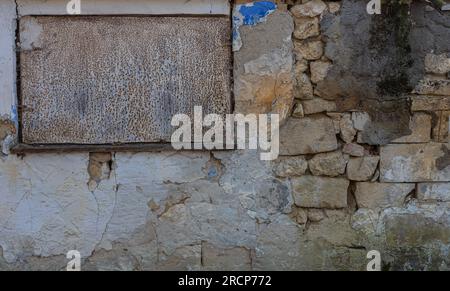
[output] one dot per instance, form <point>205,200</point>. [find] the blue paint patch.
<point>212,173</point>
<point>257,12</point>
<point>249,14</point>
<point>14,114</point>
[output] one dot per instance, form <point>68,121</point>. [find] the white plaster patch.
<point>7,60</point>
<point>30,34</point>
<point>46,208</point>
<point>111,7</point>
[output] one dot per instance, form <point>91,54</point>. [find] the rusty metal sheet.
<point>107,80</point>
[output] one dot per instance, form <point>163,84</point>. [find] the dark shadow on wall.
<point>379,59</point>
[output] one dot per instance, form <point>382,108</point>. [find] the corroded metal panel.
<point>107,80</point>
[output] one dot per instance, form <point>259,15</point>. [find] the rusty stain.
<point>7,127</point>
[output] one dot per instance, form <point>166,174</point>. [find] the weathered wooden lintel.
<point>68,148</point>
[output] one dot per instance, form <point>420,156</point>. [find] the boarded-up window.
<point>117,79</point>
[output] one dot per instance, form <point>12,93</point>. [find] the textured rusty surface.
<point>105,80</point>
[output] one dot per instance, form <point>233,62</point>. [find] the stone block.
<point>362,169</point>
<point>433,87</point>
<point>290,166</point>
<point>309,135</point>
<point>430,103</point>
<point>382,195</point>
<point>306,27</point>
<point>328,164</point>
<point>320,192</point>
<point>311,9</point>
<point>318,105</point>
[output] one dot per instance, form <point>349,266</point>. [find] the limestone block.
<point>309,135</point>
<point>304,88</point>
<point>309,50</point>
<point>433,87</point>
<point>362,169</point>
<point>318,105</point>
<point>382,195</point>
<point>306,27</point>
<point>320,192</point>
<point>311,9</point>
<point>348,132</point>
<point>430,103</point>
<point>290,166</point>
<point>353,149</point>
<point>328,164</point>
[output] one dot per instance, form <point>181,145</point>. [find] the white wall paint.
<point>7,59</point>
<point>98,7</point>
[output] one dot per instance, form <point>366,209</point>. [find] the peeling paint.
<point>14,114</point>
<point>249,14</point>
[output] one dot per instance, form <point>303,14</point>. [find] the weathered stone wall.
<point>364,166</point>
